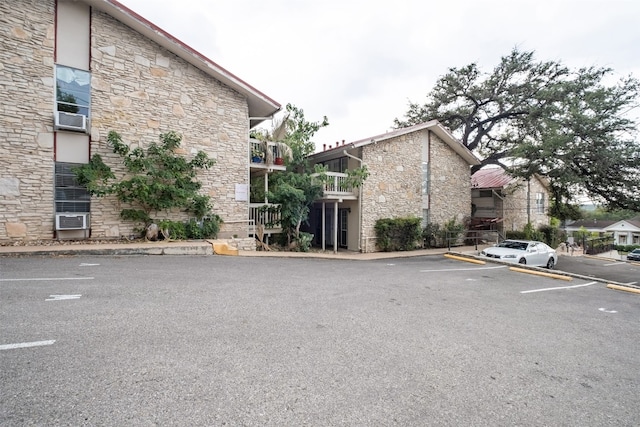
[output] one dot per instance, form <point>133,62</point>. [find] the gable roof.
<point>260,105</point>
<point>625,224</point>
<point>490,178</point>
<point>433,125</point>
<point>496,177</point>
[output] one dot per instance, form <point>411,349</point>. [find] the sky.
<point>360,62</point>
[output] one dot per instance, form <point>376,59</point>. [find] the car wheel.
<point>550,263</point>
<point>522,261</point>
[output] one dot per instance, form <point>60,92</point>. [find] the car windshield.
<point>521,246</point>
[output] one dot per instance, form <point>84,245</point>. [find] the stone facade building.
<point>420,171</point>
<point>504,203</point>
<point>73,70</point>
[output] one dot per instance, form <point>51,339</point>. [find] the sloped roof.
<point>631,225</point>
<point>490,178</point>
<point>433,125</point>
<point>496,177</point>
<point>260,105</point>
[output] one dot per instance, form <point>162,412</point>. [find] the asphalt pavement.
<point>255,341</point>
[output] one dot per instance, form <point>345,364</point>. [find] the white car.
<point>523,252</point>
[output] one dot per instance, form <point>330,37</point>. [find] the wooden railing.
<point>337,185</point>
<point>265,214</point>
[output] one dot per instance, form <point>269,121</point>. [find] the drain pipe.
<point>359,202</point>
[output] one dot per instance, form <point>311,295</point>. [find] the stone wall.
<point>141,90</point>
<point>450,184</point>
<point>394,187</point>
<point>26,119</point>
<point>515,205</point>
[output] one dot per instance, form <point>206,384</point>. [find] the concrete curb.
<point>625,288</point>
<point>544,270</point>
<point>195,248</point>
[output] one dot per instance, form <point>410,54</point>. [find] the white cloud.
<point>360,62</point>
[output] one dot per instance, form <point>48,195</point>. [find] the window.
<point>540,203</point>
<point>337,165</point>
<point>486,193</point>
<point>70,197</point>
<point>73,90</point>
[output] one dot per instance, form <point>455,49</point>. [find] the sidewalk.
<point>205,247</point>
<point>138,248</point>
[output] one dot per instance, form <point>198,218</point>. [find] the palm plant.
<point>276,137</point>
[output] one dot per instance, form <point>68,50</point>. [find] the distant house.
<point>420,171</point>
<point>73,70</point>
<point>624,232</point>
<point>503,203</point>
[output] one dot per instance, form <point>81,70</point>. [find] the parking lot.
<point>601,267</point>
<point>197,340</point>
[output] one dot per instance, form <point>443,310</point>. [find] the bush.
<point>626,248</point>
<point>174,230</point>
<point>439,236</point>
<point>207,228</point>
<point>398,234</point>
<point>303,242</point>
<point>157,179</point>
<point>431,235</point>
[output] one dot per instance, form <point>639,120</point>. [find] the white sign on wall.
<point>242,192</point>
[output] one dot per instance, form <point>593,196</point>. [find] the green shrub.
<point>207,228</point>
<point>431,235</point>
<point>626,248</point>
<point>174,230</point>
<point>157,179</point>
<point>398,234</point>
<point>303,242</point>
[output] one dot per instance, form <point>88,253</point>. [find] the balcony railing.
<point>267,215</point>
<point>336,186</point>
<point>258,156</point>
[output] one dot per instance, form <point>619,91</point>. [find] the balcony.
<point>336,187</point>
<point>259,158</point>
<point>267,215</point>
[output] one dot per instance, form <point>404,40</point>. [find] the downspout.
<point>359,203</point>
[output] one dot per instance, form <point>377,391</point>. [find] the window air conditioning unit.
<point>72,221</point>
<point>70,121</point>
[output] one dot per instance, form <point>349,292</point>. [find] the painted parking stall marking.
<point>26,344</point>
<point>604,310</point>
<point>46,279</point>
<point>62,297</point>
<point>558,288</point>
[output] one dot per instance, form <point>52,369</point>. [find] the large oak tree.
<point>530,117</point>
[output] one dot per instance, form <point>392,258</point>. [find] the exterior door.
<point>343,216</point>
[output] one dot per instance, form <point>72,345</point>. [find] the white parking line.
<point>558,288</point>
<point>463,269</point>
<point>46,279</point>
<point>26,344</point>
<point>63,297</point>
<point>615,263</point>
